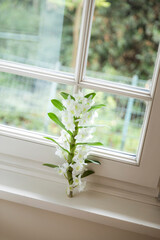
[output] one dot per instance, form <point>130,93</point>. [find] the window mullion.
<point>114,88</point>
<point>144,131</point>
<point>36,72</point>
<point>85,32</point>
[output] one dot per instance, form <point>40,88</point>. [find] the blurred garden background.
<point>44,33</point>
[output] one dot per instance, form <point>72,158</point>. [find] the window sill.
<point>94,206</point>
<point>37,138</point>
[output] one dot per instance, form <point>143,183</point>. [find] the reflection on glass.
<point>124,41</point>
<point>40,32</point>
<point>25,103</point>
<point>121,122</point>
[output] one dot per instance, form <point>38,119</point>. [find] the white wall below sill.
<point>90,205</point>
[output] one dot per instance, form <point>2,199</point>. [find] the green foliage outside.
<point>130,37</point>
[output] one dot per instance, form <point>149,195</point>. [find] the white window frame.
<point>143,170</point>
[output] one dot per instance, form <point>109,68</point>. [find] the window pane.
<point>120,122</point>
<point>25,103</point>
<point>40,32</point>
<point>124,41</point>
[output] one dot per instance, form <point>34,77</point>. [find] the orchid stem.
<point>70,195</point>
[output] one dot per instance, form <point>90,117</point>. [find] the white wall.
<point>19,222</point>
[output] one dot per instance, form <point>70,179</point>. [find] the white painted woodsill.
<point>94,206</point>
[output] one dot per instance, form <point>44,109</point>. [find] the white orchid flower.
<point>83,135</point>
<point>79,96</point>
<point>83,149</point>
<point>63,169</point>
<point>68,103</point>
<point>77,180</point>
<point>65,137</point>
<point>68,121</point>
<point>59,152</point>
<point>82,186</point>
<point>77,168</point>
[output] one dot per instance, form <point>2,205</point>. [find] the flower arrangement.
<point>73,145</point>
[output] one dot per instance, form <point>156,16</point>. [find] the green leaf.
<point>87,173</point>
<point>58,104</point>
<point>91,144</point>
<point>55,119</point>
<point>57,144</point>
<point>96,107</point>
<point>93,94</point>
<point>65,95</point>
<point>50,165</point>
<point>92,161</point>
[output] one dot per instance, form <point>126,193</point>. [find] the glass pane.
<point>120,122</point>
<point>25,103</point>
<point>124,41</point>
<point>40,32</point>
